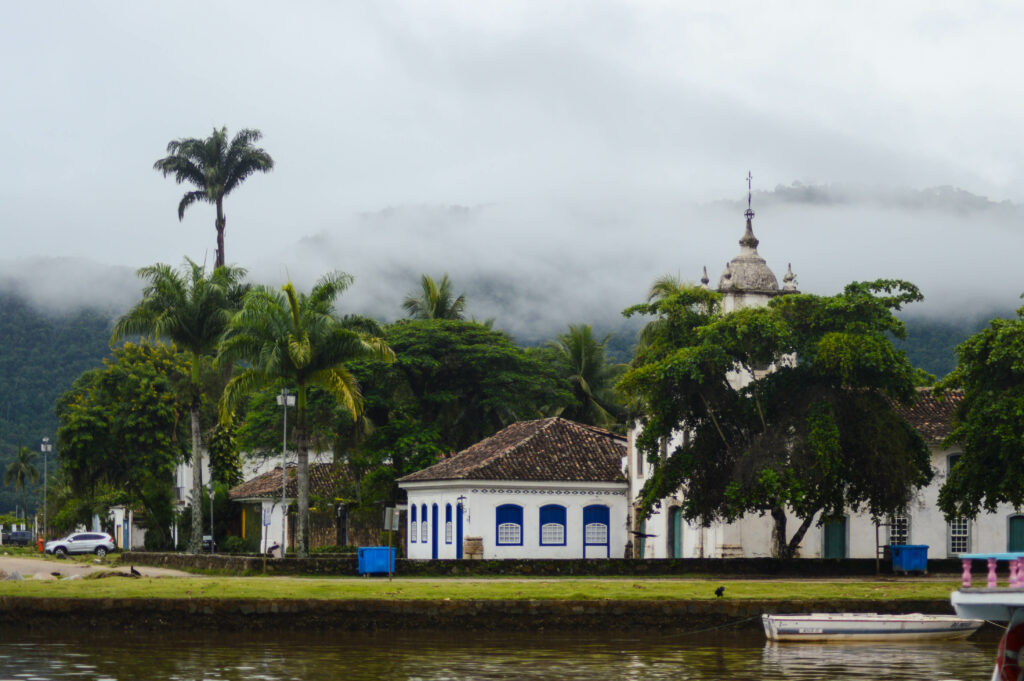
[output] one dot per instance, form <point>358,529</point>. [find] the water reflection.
<point>415,656</point>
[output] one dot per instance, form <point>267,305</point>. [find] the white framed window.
<point>899,529</point>
<point>510,533</point>
<point>423,530</point>
<point>412,531</point>
<point>959,535</point>
<point>596,533</point>
<point>552,533</point>
<point>448,532</point>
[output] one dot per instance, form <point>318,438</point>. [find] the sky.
<point>554,157</point>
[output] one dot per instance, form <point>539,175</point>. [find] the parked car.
<point>18,537</point>
<point>99,543</point>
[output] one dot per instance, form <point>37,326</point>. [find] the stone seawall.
<point>462,615</point>
<point>346,565</point>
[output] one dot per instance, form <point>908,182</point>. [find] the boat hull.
<point>866,627</point>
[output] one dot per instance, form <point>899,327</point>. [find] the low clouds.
<point>538,267</point>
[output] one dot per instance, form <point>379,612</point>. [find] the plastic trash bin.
<point>910,557</point>
<point>373,560</point>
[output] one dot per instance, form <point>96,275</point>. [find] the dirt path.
<point>44,568</point>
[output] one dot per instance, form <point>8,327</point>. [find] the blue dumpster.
<point>373,560</point>
<point>909,557</point>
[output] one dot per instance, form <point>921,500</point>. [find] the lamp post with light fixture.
<point>285,399</point>
<point>45,448</point>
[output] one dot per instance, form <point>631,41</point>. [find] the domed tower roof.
<point>748,272</point>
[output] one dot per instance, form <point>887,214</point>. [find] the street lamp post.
<point>285,399</point>
<point>45,448</point>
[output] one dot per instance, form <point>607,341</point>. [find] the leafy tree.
<point>987,422</point>
<point>21,472</point>
<point>452,384</point>
<point>435,301</point>
<point>788,407</point>
<point>122,429</point>
<point>214,167</point>
<point>582,363</point>
<point>192,310</point>
<point>296,339</point>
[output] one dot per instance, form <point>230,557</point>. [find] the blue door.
<point>433,532</point>
<point>596,525</point>
<point>458,531</point>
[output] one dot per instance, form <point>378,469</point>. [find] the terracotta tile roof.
<point>323,478</point>
<point>932,416</point>
<point>546,449</point>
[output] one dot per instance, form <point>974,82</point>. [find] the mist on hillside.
<point>535,269</point>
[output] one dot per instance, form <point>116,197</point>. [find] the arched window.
<point>423,523</point>
<point>552,525</point>
<point>595,526</point>
<point>448,524</point>
<point>509,521</point>
<point>413,525</point>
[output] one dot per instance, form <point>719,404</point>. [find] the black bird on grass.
<point>134,572</point>
<point>719,591</point>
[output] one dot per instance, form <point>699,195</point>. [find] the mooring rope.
<point>721,626</point>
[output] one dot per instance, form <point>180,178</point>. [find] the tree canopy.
<point>581,361</point>
<point>452,384</point>
<point>988,422</point>
<point>192,310</point>
<point>782,408</point>
<point>435,300</point>
<point>294,339</point>
<point>214,167</point>
<point>122,427</point>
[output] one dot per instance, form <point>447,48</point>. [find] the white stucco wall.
<point>751,536</point>
<point>481,500</point>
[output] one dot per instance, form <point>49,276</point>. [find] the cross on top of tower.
<point>750,178</point>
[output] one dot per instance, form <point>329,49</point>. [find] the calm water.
<point>398,656</point>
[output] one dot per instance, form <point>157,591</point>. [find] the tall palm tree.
<point>21,472</point>
<point>591,376</point>
<point>214,167</point>
<point>192,310</point>
<point>295,339</point>
<point>435,301</point>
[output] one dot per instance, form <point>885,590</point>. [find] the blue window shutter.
<point>552,515</point>
<point>414,528</point>
<point>509,515</point>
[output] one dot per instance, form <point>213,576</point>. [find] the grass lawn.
<point>488,588</point>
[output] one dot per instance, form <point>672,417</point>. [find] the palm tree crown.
<point>214,167</point>
<point>21,472</point>
<point>295,339</point>
<point>192,310</point>
<point>591,376</point>
<point>435,300</point>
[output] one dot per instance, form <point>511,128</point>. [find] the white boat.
<point>858,626</point>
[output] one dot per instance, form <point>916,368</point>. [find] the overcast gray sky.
<point>565,152</point>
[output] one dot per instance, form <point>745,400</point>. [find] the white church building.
<point>747,282</point>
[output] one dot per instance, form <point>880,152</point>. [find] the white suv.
<point>99,543</point>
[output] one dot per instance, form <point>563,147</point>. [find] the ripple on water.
<point>416,656</point>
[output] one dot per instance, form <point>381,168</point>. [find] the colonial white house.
<point>747,282</point>
<point>550,488</point>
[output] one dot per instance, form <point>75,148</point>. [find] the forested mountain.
<point>41,355</point>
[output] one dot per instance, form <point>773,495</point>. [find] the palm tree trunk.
<point>302,455</point>
<point>221,223</point>
<point>195,544</point>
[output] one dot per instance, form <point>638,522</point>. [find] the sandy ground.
<point>40,568</point>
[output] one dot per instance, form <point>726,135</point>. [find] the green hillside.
<point>41,354</point>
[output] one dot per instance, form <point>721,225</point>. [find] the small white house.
<point>550,488</point>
